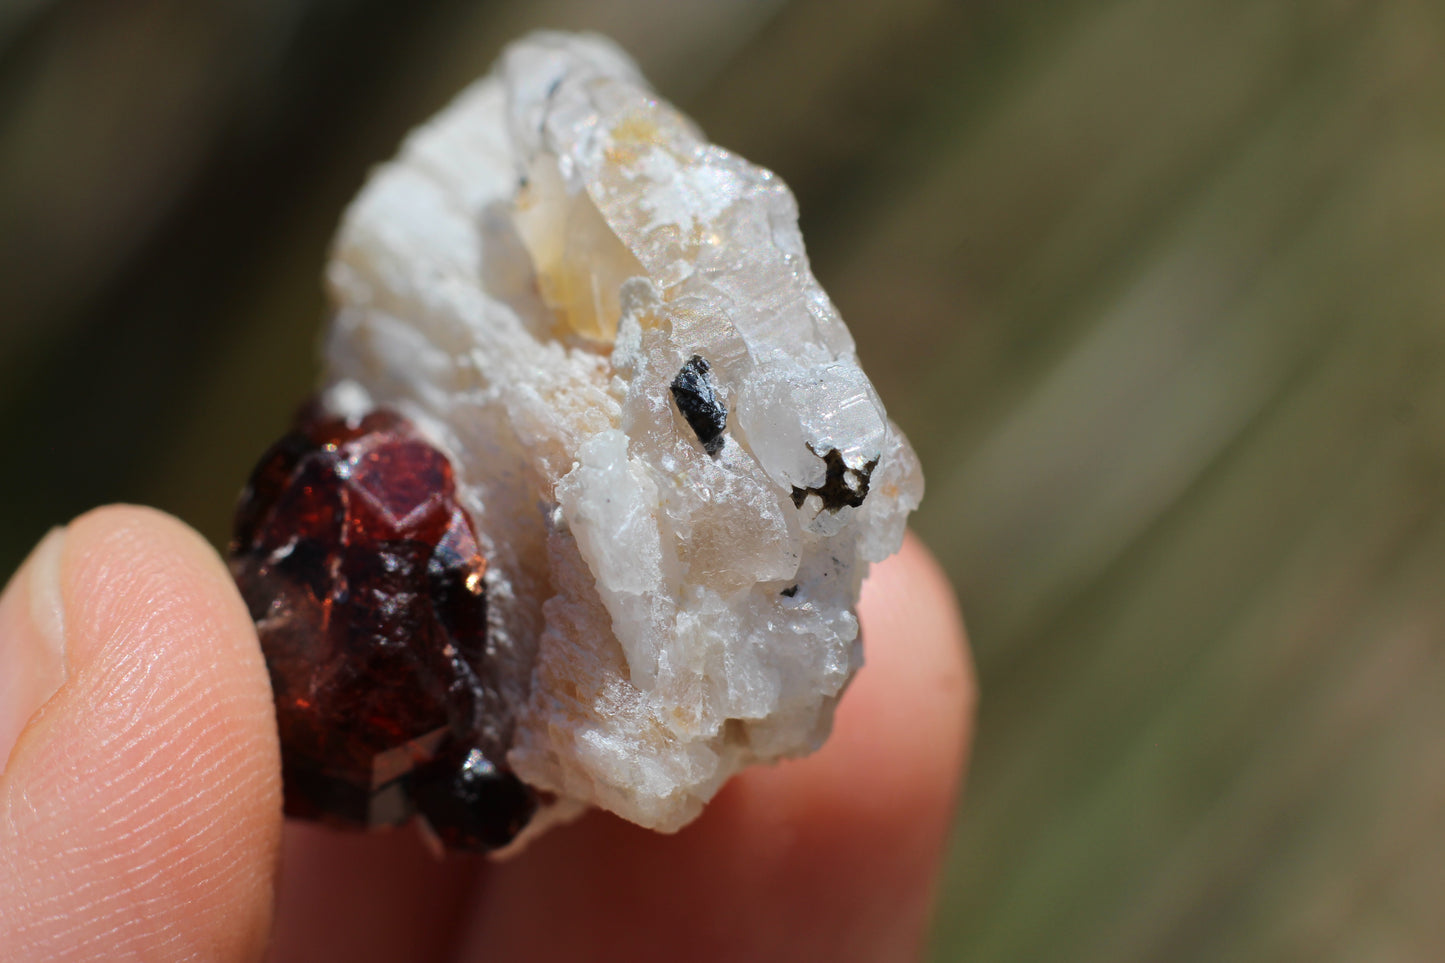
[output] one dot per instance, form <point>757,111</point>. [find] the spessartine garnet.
<point>367,586</point>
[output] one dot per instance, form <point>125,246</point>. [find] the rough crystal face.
<point>678,471</point>
<point>368,589</point>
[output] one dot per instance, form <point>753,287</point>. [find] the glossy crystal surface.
<point>368,589</point>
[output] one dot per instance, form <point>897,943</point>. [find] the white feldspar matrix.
<point>676,467</point>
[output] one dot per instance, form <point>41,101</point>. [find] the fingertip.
<point>912,706</point>
<point>140,808</point>
<point>854,835</point>
<point>362,897</point>
<point>834,856</point>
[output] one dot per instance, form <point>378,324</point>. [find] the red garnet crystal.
<point>363,575</point>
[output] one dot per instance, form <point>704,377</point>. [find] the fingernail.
<point>32,640</point>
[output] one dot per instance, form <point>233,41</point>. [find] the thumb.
<point>140,795</point>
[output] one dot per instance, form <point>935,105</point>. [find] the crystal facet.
<point>368,590</point>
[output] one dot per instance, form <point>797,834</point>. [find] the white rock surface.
<point>525,281</point>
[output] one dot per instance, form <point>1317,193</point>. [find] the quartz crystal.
<point>675,471</point>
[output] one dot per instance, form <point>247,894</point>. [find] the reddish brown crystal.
<point>363,574</point>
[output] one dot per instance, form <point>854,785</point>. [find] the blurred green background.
<point>1155,288</point>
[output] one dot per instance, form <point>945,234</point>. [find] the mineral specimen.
<point>366,583</point>
<point>633,572</point>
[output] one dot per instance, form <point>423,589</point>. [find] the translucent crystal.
<point>528,282</point>
<point>367,586</point>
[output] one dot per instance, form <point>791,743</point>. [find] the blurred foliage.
<point>1155,288</point>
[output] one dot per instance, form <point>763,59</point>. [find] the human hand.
<point>140,805</point>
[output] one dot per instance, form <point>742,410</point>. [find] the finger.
<point>834,857</point>
<point>364,897</point>
<point>140,803</point>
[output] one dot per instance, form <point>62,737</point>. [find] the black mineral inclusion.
<point>695,394</point>
<point>838,489</point>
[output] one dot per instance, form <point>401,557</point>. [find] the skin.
<point>140,800</point>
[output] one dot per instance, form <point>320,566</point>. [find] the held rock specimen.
<point>367,586</point>
<point>583,510</point>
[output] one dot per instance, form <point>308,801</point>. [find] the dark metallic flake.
<point>696,395</point>
<point>842,486</point>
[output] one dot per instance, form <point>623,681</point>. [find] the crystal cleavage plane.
<point>581,513</point>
